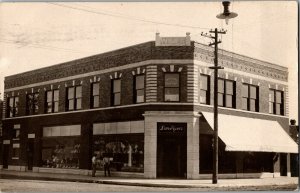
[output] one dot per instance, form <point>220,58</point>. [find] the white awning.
<point>249,134</point>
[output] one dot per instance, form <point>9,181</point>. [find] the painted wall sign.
<point>171,127</point>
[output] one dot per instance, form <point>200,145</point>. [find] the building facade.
<point>149,107</point>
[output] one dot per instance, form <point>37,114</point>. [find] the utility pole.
<point>216,67</point>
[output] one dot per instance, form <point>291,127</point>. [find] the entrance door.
<point>171,150</point>
<point>30,149</point>
<point>5,155</point>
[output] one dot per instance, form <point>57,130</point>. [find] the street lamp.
<point>225,15</point>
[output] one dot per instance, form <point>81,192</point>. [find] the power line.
<point>41,46</point>
<point>125,17</point>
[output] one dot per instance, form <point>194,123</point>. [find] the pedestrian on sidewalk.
<point>94,165</point>
<point>106,161</point>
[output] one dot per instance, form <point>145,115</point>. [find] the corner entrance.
<point>171,150</point>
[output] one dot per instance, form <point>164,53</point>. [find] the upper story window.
<point>172,87</point>
<point>226,93</point>
<point>116,92</point>
<point>95,95</point>
<point>32,103</point>
<point>52,100</point>
<point>13,106</point>
<point>74,98</point>
<point>139,89</point>
<point>204,91</point>
<point>276,102</point>
<point>250,101</point>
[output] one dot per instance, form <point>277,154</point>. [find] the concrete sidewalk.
<point>171,183</point>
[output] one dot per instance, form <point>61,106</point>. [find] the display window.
<point>126,151</point>
<point>61,152</point>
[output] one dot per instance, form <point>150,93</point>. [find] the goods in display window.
<point>126,152</point>
<point>60,153</point>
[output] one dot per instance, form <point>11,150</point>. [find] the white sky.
<point>35,35</point>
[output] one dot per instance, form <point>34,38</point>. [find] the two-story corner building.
<point>149,107</point>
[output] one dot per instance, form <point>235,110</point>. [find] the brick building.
<point>149,107</point>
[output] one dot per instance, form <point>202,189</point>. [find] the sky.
<point>35,35</point>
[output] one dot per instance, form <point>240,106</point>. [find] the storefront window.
<point>126,151</point>
<point>61,152</point>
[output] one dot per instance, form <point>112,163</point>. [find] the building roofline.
<point>243,57</point>
<point>194,44</point>
<point>78,60</point>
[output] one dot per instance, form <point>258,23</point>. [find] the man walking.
<point>94,165</point>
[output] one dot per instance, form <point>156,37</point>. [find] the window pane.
<point>139,82</point>
<point>95,89</point>
<point>117,98</point>
<point>140,96</point>
<point>271,96</point>
<point>204,82</point>
<point>245,90</point>
<point>245,103</point>
<point>229,100</point>
<point>71,104</point>
<point>49,96</point>
<point>55,107</point>
<point>78,103</point>
<point>252,105</point>
<point>65,131</point>
<point>172,80</point>
<point>253,90</point>
<point>117,85</point>
<point>71,93</point>
<point>96,101</point>
<point>229,87</point>
<point>203,98</point>
<point>220,85</point>
<point>11,102</point>
<point>271,110</point>
<point>278,96</point>
<point>16,105</point>
<point>171,94</point>
<point>220,99</point>
<point>49,107</point>
<point>55,131</point>
<point>56,95</point>
<point>278,109</point>
<point>78,91</point>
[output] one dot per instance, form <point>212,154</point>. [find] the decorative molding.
<point>138,71</point>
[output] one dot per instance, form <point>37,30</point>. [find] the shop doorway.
<point>5,155</point>
<point>30,153</point>
<point>171,150</point>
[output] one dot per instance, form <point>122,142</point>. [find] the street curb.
<point>111,182</point>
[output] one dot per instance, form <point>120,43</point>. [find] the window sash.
<point>221,86</point>
<point>96,88</point>
<point>96,101</point>
<point>171,94</point>
<point>204,80</point>
<point>172,80</point>
<point>117,86</point>
<point>139,82</point>
<point>117,98</point>
<point>78,91</point>
<point>253,92</point>
<point>71,91</point>
<point>140,96</point>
